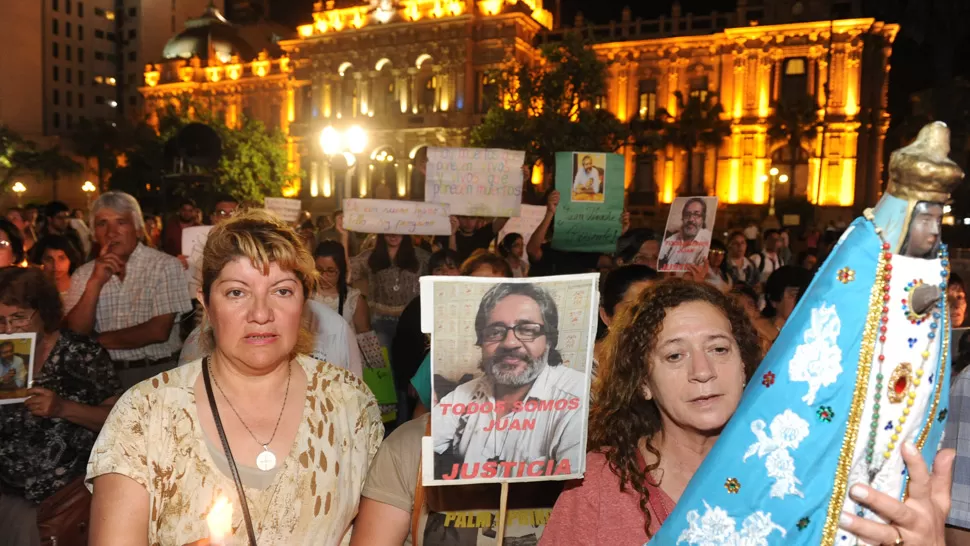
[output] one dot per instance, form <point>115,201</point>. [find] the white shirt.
<point>582,178</point>
<point>19,371</point>
<point>772,263</point>
<point>333,341</point>
<point>154,285</point>
<point>558,435</point>
<point>678,252</point>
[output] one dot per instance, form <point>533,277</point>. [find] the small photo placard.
<point>16,366</point>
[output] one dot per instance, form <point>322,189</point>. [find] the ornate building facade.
<point>361,89</point>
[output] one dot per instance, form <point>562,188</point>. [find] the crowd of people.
<point>268,357</point>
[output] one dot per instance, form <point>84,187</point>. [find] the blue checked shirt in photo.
<point>958,437</point>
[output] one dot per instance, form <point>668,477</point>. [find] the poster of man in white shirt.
<point>510,377</point>
<point>687,237</point>
<point>589,177</point>
<point>16,364</point>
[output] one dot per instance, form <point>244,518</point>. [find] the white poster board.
<point>475,181</point>
<point>687,236</point>
<point>17,353</point>
<point>525,224</point>
<point>554,357</point>
<point>287,209</point>
<point>395,216</point>
<point>193,244</point>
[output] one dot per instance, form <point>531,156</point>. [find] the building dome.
<point>209,34</point>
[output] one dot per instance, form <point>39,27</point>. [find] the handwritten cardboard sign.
<point>287,209</point>
<point>525,224</point>
<point>475,181</point>
<point>542,432</point>
<point>193,245</point>
<point>393,216</point>
<point>591,201</point>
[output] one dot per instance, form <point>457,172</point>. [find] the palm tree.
<point>793,121</point>
<point>698,123</point>
<point>100,141</point>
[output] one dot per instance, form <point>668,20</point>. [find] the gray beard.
<point>533,369</point>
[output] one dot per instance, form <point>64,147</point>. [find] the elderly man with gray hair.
<point>130,297</point>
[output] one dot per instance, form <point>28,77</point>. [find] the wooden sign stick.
<point>502,512</point>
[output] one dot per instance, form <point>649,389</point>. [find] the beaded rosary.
<point>902,386</point>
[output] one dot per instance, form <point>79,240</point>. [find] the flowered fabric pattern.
<point>153,436</point>
<point>716,527</point>
<point>787,432</point>
<point>39,456</point>
<point>818,361</point>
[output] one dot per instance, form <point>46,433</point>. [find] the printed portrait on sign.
<point>687,236</point>
<point>16,366</point>
<point>510,367</point>
<point>589,177</point>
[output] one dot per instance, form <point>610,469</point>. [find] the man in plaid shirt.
<point>958,436</point>
<point>130,297</point>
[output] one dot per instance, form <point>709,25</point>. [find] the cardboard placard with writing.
<point>525,224</point>
<point>475,181</point>
<point>395,216</point>
<point>590,210</point>
<point>510,364</point>
<point>687,237</point>
<point>17,352</point>
<point>287,209</point>
<point>193,245</point>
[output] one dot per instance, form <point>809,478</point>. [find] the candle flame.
<point>220,519</point>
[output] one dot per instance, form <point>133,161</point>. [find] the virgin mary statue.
<point>860,368</point>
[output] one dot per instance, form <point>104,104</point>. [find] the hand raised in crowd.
<point>454,224</point>
<point>338,224</point>
<point>624,222</point>
<point>106,265</point>
<point>44,403</point>
<point>921,518</point>
<point>552,203</point>
<point>697,272</point>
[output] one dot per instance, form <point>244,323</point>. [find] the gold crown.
<point>922,171</point>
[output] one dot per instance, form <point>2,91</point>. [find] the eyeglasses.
<point>715,252</point>
<point>524,331</point>
<point>224,212</point>
<point>15,322</point>
<point>4,243</point>
<point>693,214</point>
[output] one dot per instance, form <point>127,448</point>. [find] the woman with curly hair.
<point>673,373</point>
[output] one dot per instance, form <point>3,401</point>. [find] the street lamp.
<point>350,143</point>
<point>775,180</point>
<point>356,139</point>
<point>88,188</point>
<point>19,189</point>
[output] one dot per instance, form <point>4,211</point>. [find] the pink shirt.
<point>593,511</point>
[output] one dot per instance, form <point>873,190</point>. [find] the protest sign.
<point>287,209</point>
<point>475,181</point>
<point>525,224</point>
<point>394,216</point>
<point>16,366</point>
<point>591,201</point>
<point>687,237</point>
<point>193,244</point>
<point>486,332</point>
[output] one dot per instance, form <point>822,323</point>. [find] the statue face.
<point>923,235</point>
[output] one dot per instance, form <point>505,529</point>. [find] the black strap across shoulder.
<point>225,447</point>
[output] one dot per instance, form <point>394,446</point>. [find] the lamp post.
<point>18,188</point>
<point>351,143</point>
<point>88,188</point>
<point>775,179</point>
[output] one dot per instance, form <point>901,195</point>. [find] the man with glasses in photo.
<point>689,245</point>
<point>13,372</point>
<point>517,329</point>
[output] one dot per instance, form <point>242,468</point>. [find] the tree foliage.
<point>697,122</point>
<point>19,155</point>
<point>550,107</point>
<point>253,164</point>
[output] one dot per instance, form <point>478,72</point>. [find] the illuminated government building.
<point>361,89</point>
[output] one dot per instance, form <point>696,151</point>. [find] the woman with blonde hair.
<point>285,438</point>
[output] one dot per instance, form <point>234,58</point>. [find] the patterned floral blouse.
<point>390,289</point>
<point>153,436</point>
<point>39,456</point>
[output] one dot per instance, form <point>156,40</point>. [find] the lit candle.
<point>220,521</point>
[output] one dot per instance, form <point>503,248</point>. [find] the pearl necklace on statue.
<point>904,380</point>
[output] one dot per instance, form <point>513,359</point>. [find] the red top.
<point>593,511</point>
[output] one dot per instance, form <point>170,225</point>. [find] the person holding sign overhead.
<point>467,235</point>
<point>689,245</point>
